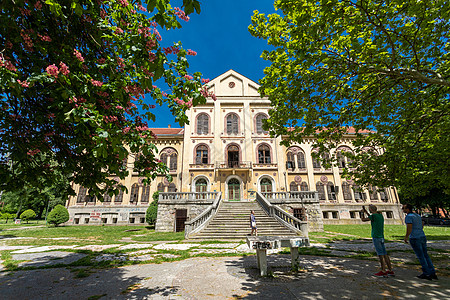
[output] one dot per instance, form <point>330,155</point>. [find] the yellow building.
<point>225,149</point>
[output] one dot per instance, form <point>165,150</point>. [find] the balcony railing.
<point>201,166</point>
<point>187,197</point>
<point>265,166</point>
<point>302,196</point>
<point>233,165</point>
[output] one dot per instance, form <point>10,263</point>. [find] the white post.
<point>261,255</point>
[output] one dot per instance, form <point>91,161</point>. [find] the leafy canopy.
<point>73,76</point>
<point>378,69</point>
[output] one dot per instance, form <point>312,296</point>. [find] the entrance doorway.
<point>234,190</point>
<point>233,156</point>
<point>180,219</point>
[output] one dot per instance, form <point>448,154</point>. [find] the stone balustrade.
<point>199,222</point>
<point>187,197</point>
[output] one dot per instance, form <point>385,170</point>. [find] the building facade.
<point>225,149</point>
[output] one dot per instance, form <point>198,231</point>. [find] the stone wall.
<point>108,215</point>
<point>165,221</point>
<point>312,209</point>
<point>342,213</point>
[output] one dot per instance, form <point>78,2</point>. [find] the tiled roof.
<point>163,131</point>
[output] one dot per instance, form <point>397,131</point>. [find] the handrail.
<point>199,222</point>
<point>187,196</point>
<point>303,196</point>
<point>300,227</point>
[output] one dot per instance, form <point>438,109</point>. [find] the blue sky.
<point>221,39</point>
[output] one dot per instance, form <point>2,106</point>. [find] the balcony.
<point>233,165</point>
<point>201,166</point>
<point>265,166</point>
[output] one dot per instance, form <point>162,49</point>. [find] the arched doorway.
<point>233,156</point>
<point>234,190</point>
<point>201,186</point>
<point>266,185</point>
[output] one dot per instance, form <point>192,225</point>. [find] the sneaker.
<point>380,274</point>
<point>390,273</point>
<point>433,276</point>
<point>423,276</point>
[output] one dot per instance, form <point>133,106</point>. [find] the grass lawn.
<point>85,235</point>
<point>391,232</point>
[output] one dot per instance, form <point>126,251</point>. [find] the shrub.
<point>152,210</point>
<point>28,215</point>
<point>58,215</point>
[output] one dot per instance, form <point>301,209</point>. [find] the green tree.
<point>152,210</point>
<point>6,216</point>
<point>377,69</point>
<point>73,76</point>
<point>58,215</point>
<point>28,215</point>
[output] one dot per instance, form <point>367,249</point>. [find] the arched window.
<point>359,193</point>
<point>173,162</point>
<point>203,124</point>
<point>264,154</point>
<point>340,159</point>
<point>266,185</point>
<point>234,189</point>
<point>81,194</point>
<point>106,197</point>
<point>259,123</point>
<point>134,193</point>
<point>331,191</point>
<point>233,156</point>
<point>164,158</point>
<point>145,196</point>
<point>201,185</point>
<point>316,162</point>
<point>232,124</point>
<point>301,160</point>
<point>293,187</point>
<point>346,191</point>
<point>304,187</point>
<point>321,190</point>
<point>373,193</point>
<point>290,161</point>
<point>201,155</point>
<point>160,187</point>
<point>119,197</point>
<point>172,188</point>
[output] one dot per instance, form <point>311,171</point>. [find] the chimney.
<point>169,126</point>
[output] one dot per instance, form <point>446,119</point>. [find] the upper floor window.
<point>172,188</point>
<point>293,186</point>
<point>145,196</point>
<point>259,123</point>
<point>169,157</point>
<point>81,194</point>
<point>201,155</point>
<point>203,124</point>
<point>290,161</point>
<point>264,154</point>
<point>342,160</point>
<point>266,185</point>
<point>346,191</point>
<point>301,160</point>
<point>134,193</point>
<point>232,124</point>
<point>316,162</point>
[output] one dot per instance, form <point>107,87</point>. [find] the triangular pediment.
<point>231,83</point>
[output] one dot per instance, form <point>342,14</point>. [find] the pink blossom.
<point>151,56</point>
<point>38,5</point>
<point>27,40</point>
<point>181,14</point>
<point>141,8</point>
<point>119,107</point>
<point>191,52</point>
<point>23,83</point>
<point>8,44</point>
<point>25,12</point>
<point>52,70</point>
<point>63,68</point>
<point>120,62</point>
<point>103,13</point>
<point>119,30</point>
<point>157,35</point>
<point>151,44</point>
<point>45,38</point>
<point>124,3</point>
<point>78,55</point>
<point>188,77</point>
<point>33,152</point>
<point>96,82</point>
<point>8,65</point>
<point>205,80</point>
<point>101,61</point>
<point>126,130</point>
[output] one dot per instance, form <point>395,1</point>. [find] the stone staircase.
<point>232,223</point>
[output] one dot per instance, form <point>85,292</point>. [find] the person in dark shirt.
<point>377,222</point>
<point>418,242</point>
